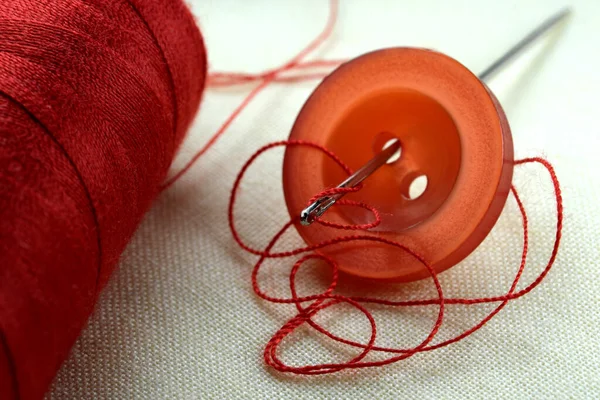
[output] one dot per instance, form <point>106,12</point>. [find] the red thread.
<point>289,73</point>
<point>266,78</point>
<point>220,79</point>
<point>329,298</point>
<point>95,98</point>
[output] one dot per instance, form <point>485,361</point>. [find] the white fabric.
<point>179,319</point>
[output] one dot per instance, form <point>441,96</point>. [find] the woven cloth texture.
<point>179,320</point>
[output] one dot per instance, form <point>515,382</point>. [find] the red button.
<point>456,144</point>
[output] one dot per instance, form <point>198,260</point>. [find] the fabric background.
<point>179,320</point>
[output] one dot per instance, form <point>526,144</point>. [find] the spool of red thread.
<point>95,97</point>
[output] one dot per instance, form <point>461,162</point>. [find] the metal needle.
<point>319,206</point>
<point>526,41</point>
<point>316,209</point>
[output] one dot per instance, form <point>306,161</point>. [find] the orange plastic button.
<point>456,144</point>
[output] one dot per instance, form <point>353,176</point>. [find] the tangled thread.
<point>309,306</point>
